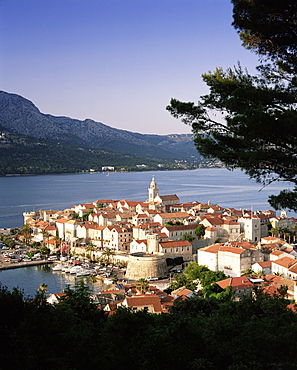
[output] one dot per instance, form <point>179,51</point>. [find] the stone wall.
<point>142,265</point>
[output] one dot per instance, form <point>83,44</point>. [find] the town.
<point>161,237</point>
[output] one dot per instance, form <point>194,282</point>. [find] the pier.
<point>9,266</point>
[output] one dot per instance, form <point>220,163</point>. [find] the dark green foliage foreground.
<point>197,334</point>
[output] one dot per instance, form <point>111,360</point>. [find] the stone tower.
<point>147,264</point>
<point>153,190</point>
<point>152,243</point>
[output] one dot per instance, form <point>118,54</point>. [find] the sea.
<point>20,194</point>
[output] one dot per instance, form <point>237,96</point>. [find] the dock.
<point>9,266</point>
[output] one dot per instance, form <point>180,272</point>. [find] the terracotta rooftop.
<point>181,227</point>
<point>174,244</point>
<point>286,262</point>
<point>144,301</point>
<point>241,282</point>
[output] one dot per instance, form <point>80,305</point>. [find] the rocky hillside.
<point>20,116</point>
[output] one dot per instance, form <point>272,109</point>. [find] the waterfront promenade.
<point>9,265</point>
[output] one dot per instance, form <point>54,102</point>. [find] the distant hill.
<point>35,143</point>
<point>19,116</point>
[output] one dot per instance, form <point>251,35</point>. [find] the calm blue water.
<point>20,194</point>
<point>28,280</point>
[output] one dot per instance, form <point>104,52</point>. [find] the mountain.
<point>19,116</point>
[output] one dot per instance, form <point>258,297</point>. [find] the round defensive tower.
<point>147,264</point>
<point>144,265</point>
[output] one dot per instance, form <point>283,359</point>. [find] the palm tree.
<point>108,253</point>
<point>142,285</point>
<point>93,279</point>
<point>40,296</point>
<point>280,230</point>
<point>26,231</point>
<point>260,273</point>
<point>45,235</point>
<point>248,272</point>
<point>57,241</point>
<point>273,231</point>
<point>287,232</point>
<point>294,229</point>
<point>43,288</point>
<point>90,248</point>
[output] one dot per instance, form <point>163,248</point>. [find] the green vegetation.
<point>249,121</point>
<point>200,231</point>
<point>24,155</point>
<point>7,241</point>
<point>197,333</point>
<point>194,275</point>
<point>173,223</point>
<point>142,285</point>
<point>188,236</point>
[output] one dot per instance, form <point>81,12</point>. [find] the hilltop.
<point>21,116</point>
<point>34,142</point>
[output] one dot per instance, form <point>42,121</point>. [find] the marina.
<point>29,277</point>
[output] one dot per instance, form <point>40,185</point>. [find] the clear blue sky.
<point>118,62</point>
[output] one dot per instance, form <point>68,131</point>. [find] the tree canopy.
<point>214,333</point>
<point>249,121</point>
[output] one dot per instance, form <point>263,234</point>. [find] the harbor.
<point>15,265</point>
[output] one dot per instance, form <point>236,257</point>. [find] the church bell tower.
<point>153,190</point>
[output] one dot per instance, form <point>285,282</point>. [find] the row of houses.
<point>270,256</point>
<point>154,300</point>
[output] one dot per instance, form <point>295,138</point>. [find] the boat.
<point>75,269</point>
<point>57,267</point>
<point>83,272</point>
<point>66,269</point>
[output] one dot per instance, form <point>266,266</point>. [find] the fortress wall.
<point>142,265</point>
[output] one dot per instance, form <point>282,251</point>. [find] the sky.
<point>118,62</point>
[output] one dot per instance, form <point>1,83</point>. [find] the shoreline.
<point>110,172</point>
<point>10,266</point>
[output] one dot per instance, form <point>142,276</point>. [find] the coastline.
<point>159,169</point>
<point>9,266</point>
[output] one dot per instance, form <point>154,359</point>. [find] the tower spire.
<point>153,190</point>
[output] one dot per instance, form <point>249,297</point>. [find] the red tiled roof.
<point>174,215</point>
<point>285,262</point>
<point>169,197</point>
<point>293,269</point>
<point>177,243</point>
<point>181,227</point>
<point>264,264</point>
<point>243,244</point>
<point>214,220</point>
<point>145,300</point>
<point>62,220</point>
<point>241,282</point>
<point>229,222</point>
<point>210,229</point>
<point>212,248</point>
<point>231,249</point>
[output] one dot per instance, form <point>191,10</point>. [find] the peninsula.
<point>153,236</point>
